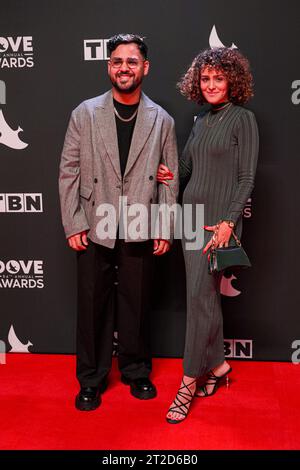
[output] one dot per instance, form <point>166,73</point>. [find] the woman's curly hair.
<point>231,62</point>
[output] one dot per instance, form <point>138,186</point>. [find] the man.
<point>113,147</point>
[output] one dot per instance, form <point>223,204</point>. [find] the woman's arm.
<point>248,141</point>
<point>185,161</point>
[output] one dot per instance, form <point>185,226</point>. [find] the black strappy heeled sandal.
<point>214,380</point>
<point>180,406</point>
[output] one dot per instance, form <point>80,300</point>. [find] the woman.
<point>219,161</point>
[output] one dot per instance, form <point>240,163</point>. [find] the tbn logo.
<point>238,348</point>
<point>19,202</point>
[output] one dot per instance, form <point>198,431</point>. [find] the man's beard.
<point>129,90</point>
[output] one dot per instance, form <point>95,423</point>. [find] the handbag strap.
<point>214,238</point>
<point>237,240</point>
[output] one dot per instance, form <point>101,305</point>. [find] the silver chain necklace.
<point>126,119</point>
<point>227,106</point>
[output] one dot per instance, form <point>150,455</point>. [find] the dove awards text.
<point>16,52</point>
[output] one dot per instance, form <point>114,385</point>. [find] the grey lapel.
<point>106,121</point>
<point>144,123</point>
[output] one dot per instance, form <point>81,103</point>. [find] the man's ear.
<point>146,67</point>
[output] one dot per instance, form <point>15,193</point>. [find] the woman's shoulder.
<point>242,111</point>
<point>239,113</point>
<point>237,109</point>
<point>203,111</point>
<point>243,116</point>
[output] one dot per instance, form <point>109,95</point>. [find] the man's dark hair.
<point>118,39</point>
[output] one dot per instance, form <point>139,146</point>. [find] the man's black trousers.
<point>98,316</point>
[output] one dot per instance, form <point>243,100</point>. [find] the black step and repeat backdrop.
<point>52,56</point>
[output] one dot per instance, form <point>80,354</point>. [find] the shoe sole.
<point>143,395</point>
<point>175,421</point>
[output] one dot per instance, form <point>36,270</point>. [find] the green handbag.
<point>229,257</point>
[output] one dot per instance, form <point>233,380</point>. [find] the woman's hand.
<point>222,238</point>
<point>161,247</point>
<point>164,174</point>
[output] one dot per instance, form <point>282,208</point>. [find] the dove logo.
<point>296,94</point>
<point>226,287</point>
<point>16,345</point>
<point>14,267</point>
<point>16,53</point>
<point>14,45</point>
<point>21,274</point>
<point>9,137</point>
<point>95,49</point>
<point>214,40</point>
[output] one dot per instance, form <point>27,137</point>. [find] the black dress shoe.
<point>89,398</point>
<point>141,388</point>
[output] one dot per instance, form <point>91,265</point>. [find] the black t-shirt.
<point>124,130</point>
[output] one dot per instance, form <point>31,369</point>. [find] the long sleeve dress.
<point>219,159</point>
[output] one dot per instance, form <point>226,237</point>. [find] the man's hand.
<point>79,241</point>
<point>161,247</point>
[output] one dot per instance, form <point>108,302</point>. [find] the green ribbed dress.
<point>219,159</point>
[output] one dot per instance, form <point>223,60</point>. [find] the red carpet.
<point>261,409</point>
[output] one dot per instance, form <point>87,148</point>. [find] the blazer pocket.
<point>85,192</point>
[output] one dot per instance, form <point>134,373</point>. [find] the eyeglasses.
<point>131,63</point>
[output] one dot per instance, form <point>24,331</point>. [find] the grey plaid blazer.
<point>90,176</point>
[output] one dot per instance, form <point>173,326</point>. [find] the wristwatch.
<point>230,223</point>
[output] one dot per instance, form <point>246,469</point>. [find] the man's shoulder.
<point>91,103</point>
<point>152,104</point>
